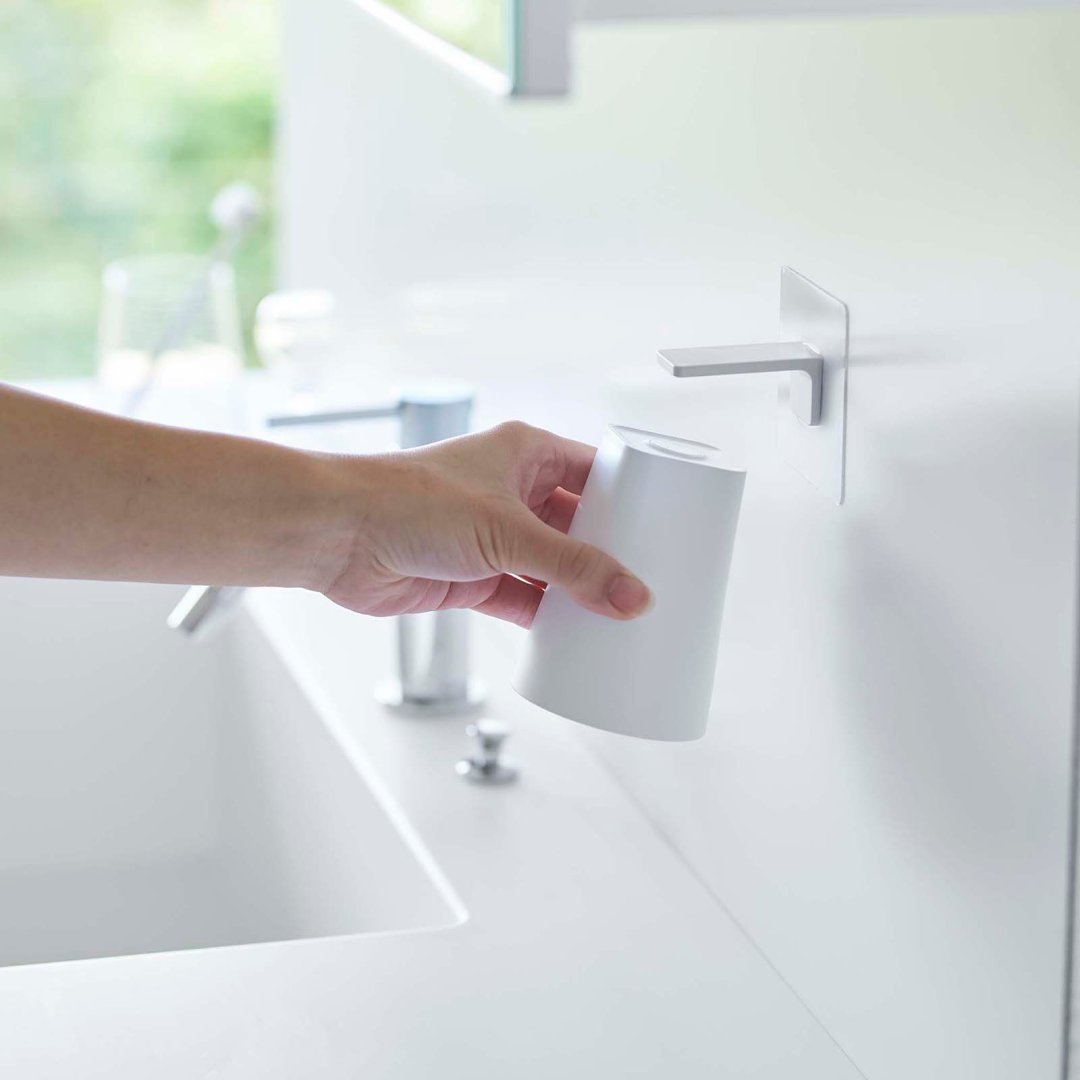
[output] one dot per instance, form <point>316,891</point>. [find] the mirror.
<point>514,47</point>
<point>476,27</point>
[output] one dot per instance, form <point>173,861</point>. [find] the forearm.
<point>87,495</point>
<point>477,522</point>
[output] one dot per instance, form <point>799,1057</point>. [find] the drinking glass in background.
<point>169,341</point>
<point>296,333</point>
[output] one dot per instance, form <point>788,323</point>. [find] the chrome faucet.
<point>433,648</point>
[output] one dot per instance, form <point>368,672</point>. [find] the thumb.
<point>594,579</point>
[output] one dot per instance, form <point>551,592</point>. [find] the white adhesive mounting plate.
<point>811,315</point>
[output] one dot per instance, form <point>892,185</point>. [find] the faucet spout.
<point>433,647</point>
<point>202,608</point>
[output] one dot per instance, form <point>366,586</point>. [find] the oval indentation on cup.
<point>679,450</point>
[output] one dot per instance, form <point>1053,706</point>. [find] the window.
<point>119,120</point>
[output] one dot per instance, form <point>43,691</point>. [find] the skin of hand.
<point>476,522</point>
<point>479,522</point>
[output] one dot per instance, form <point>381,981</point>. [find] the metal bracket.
<point>813,424</point>
<point>800,359</point>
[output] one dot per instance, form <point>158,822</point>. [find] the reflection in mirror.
<point>511,47</point>
<point>477,27</point>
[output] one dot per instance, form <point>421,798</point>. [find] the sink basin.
<point>157,794</point>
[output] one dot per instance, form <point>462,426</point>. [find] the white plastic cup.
<point>667,509</point>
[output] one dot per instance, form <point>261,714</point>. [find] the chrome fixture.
<point>201,608</point>
<point>483,765</point>
<point>433,653</point>
<point>428,414</point>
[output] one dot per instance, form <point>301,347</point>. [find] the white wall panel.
<point>883,798</point>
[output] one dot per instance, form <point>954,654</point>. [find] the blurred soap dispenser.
<point>667,508</point>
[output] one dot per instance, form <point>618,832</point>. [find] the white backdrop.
<point>883,798</point>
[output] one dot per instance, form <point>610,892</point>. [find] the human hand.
<point>475,522</point>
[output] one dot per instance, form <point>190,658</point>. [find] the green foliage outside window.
<point>119,120</point>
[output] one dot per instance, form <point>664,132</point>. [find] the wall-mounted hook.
<point>800,359</point>
<point>813,424</point>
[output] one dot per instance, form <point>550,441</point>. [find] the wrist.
<point>336,493</point>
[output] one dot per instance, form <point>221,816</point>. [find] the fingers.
<point>566,461</point>
<point>512,599</point>
<point>594,579</point>
<point>559,509</point>
<point>576,460</point>
<point>558,512</point>
<point>503,597</point>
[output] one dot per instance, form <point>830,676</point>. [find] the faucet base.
<point>390,696</point>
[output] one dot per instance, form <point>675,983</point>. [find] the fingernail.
<point>629,596</point>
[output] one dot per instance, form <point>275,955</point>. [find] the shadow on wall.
<point>948,716</point>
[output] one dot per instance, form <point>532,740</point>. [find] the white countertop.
<point>590,949</point>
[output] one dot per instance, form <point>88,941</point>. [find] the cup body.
<point>668,510</point>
